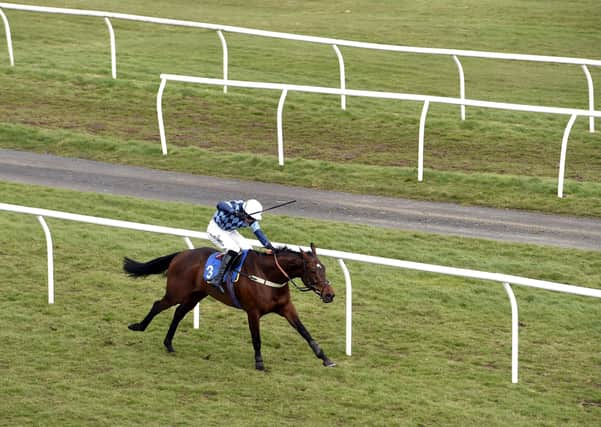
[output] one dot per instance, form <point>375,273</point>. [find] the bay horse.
<point>262,288</point>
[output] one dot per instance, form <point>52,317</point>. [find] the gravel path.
<point>442,218</point>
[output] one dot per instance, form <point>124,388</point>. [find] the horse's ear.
<point>313,249</point>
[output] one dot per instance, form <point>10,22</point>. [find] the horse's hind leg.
<point>157,307</point>
<point>180,313</point>
<point>289,312</point>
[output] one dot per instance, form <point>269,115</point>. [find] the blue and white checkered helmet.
<point>253,208</point>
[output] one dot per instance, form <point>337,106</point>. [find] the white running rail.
<point>504,279</point>
<point>335,43</point>
<point>426,99</point>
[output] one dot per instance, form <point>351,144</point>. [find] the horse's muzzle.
<point>328,298</point>
<point>327,294</point>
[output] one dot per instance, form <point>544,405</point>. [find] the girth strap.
<point>232,292</point>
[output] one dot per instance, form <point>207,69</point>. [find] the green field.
<point>427,349</point>
<point>61,82</point>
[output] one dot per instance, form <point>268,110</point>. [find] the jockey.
<point>223,231</point>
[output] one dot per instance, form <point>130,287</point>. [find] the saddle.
<point>233,272</point>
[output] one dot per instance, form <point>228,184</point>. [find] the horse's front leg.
<point>289,312</point>
<point>253,325</point>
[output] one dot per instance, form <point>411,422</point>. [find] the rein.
<point>271,284</point>
<point>289,279</point>
<point>305,288</point>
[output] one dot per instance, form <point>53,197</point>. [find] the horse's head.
<point>314,276</point>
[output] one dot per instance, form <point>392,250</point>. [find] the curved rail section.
<point>504,279</point>
<point>335,43</point>
<point>425,99</point>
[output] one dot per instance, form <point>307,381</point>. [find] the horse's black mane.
<point>285,249</point>
<point>282,251</point>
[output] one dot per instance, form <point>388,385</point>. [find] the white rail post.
<point>225,58</point>
<point>280,130</point>
<point>591,97</point>
<point>9,40</point>
<point>461,84</point>
<point>342,76</point>
<point>50,259</point>
<point>562,159</point>
<point>113,48</point>
<point>349,307</point>
<point>160,115</point>
<point>197,306</point>
<point>514,332</point>
<point>420,154</point>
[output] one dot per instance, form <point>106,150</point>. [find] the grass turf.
<point>427,349</point>
<point>61,81</point>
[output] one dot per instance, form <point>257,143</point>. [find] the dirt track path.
<point>442,218</point>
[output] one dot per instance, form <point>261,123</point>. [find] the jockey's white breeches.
<point>228,240</point>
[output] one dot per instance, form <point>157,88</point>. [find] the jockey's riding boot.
<point>225,262</point>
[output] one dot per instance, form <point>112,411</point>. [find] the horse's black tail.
<point>140,269</point>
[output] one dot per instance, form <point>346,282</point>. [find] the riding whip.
<point>273,207</point>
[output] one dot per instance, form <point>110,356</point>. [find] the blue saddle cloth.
<point>230,277</point>
<point>214,262</point>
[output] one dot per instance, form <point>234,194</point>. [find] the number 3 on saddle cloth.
<point>229,277</point>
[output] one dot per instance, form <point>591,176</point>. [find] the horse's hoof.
<point>135,327</point>
<point>259,366</point>
<point>328,363</point>
<point>169,348</point>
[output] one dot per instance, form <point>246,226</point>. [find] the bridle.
<point>310,285</point>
